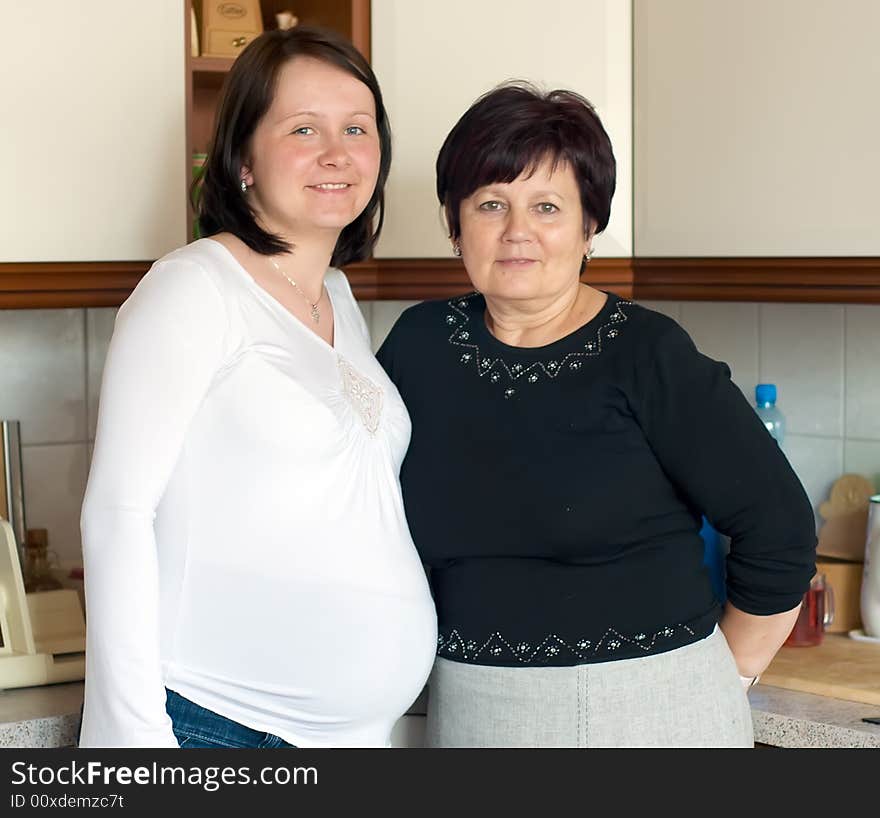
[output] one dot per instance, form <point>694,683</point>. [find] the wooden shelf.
<point>210,65</point>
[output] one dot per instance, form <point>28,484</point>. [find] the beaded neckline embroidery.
<point>495,368</point>
<point>550,647</point>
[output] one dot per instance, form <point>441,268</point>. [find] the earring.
<point>588,255</point>
<point>456,249</point>
<point>243,186</point>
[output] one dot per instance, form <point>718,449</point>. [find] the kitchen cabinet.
<point>94,118</point>
<point>433,60</point>
<point>745,135</point>
<point>756,151</point>
<point>432,66</point>
<point>109,107</point>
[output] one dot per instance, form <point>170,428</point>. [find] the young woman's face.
<point>525,239</point>
<point>314,157</point>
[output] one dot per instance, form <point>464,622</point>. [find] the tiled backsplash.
<point>824,358</point>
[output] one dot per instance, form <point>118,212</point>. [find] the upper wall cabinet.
<point>757,131</point>
<point>434,60</point>
<point>93,131</point>
<point>746,136</point>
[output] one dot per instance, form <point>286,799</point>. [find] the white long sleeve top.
<point>244,537</point>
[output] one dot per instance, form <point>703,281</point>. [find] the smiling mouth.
<point>516,261</point>
<point>330,186</point>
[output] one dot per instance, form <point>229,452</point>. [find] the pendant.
<point>316,316</point>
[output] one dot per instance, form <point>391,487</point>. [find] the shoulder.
<point>425,317</point>
<point>203,260</point>
<point>195,276</point>
<point>345,305</point>
<point>645,321</point>
<point>337,283</point>
<point>418,332</point>
<point>651,333</point>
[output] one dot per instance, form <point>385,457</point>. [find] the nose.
<point>518,228</point>
<point>334,154</point>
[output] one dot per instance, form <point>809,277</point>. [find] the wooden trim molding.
<point>843,280</point>
<point>37,285</point>
<point>416,279</point>
<point>849,280</point>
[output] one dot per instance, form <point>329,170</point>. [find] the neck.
<point>533,323</point>
<point>308,261</point>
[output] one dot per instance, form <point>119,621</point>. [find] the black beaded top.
<point>556,493</point>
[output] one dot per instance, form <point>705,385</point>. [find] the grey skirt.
<point>688,697</point>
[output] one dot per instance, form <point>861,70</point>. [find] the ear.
<point>246,174</point>
<point>589,234</point>
<point>447,221</point>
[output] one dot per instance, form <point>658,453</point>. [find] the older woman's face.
<point>525,239</point>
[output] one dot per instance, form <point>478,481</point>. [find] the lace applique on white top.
<point>363,395</point>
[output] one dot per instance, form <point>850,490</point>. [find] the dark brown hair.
<point>247,95</point>
<point>512,129</point>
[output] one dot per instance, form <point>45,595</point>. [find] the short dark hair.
<point>512,129</point>
<point>248,92</point>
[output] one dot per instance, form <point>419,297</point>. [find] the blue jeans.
<point>195,726</point>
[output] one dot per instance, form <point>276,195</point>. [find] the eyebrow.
<point>317,115</point>
<point>492,190</point>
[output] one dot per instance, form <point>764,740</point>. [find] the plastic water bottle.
<point>714,558</point>
<point>765,406</point>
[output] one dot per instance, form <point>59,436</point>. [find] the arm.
<point>720,457</point>
<point>754,640</point>
<point>166,347</point>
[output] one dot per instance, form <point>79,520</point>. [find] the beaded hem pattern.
<point>495,368</point>
<point>552,647</point>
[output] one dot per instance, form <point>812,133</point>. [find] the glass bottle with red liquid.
<point>817,611</point>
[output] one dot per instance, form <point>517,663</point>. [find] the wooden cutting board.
<point>840,667</point>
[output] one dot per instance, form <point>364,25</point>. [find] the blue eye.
<point>354,130</point>
<point>302,131</point>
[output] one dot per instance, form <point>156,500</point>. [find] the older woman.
<point>565,444</point>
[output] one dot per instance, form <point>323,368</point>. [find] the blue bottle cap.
<point>765,393</point>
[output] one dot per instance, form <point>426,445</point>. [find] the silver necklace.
<point>314,311</point>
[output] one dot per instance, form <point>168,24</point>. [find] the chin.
<point>512,288</point>
<point>335,222</point>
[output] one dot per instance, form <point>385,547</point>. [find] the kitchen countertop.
<point>46,716</point>
<point>49,716</point>
<point>789,718</point>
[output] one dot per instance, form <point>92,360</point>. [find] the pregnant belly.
<point>334,653</point>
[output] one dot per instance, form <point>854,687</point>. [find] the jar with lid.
<point>37,573</point>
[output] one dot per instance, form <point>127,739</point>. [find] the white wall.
<point>757,127</point>
<point>434,61</point>
<point>92,130</point>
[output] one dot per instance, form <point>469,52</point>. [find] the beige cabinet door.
<point>757,128</point>
<point>92,130</point>
<point>433,59</point>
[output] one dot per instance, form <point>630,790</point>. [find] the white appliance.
<point>42,634</point>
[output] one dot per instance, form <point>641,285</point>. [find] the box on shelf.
<point>845,579</point>
<point>228,27</point>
